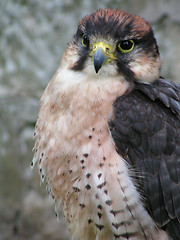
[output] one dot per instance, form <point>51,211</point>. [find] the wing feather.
<point>166,184</point>
<point>146,131</point>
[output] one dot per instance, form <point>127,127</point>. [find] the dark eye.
<point>85,41</point>
<point>126,46</point>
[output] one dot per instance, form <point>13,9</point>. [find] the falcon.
<point>108,133</point>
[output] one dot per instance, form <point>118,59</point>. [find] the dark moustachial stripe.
<point>79,65</point>
<point>124,68</point>
<point>82,52</point>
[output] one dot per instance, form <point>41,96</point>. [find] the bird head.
<point>113,42</point>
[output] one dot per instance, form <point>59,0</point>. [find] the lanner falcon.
<point>108,133</point>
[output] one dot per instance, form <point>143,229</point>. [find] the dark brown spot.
<point>90,221</point>
<point>42,154</point>
<point>76,156</point>
<point>82,205</point>
<point>97,196</point>
<point>100,186</point>
<point>101,164</point>
<point>88,187</point>
<point>99,144</point>
<point>116,225</point>
<point>42,176</point>
<point>104,158</point>
<point>100,226</point>
<point>115,212</point>
<point>40,170</point>
<point>90,136</point>
<point>32,164</point>
<point>99,207</point>
<point>120,172</point>
<point>99,215</point>
<point>82,161</point>
<point>108,202</point>
<point>83,167</point>
<point>76,189</point>
<point>40,161</point>
<point>93,129</point>
<point>99,175</point>
<point>88,175</point>
<point>106,192</point>
<point>70,171</point>
<point>85,155</point>
<point>117,236</point>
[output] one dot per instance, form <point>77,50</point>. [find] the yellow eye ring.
<point>85,40</point>
<point>126,46</point>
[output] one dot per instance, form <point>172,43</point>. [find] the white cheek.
<point>66,79</point>
<point>146,71</point>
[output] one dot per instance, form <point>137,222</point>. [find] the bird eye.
<point>126,46</point>
<point>85,41</point>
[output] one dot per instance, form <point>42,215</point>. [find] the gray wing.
<point>146,131</point>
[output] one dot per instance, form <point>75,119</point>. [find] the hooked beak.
<point>101,53</point>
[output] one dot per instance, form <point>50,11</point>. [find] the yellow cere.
<point>106,48</point>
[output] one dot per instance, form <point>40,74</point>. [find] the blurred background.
<point>33,37</point>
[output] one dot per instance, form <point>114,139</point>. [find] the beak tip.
<point>97,68</point>
<point>99,59</point>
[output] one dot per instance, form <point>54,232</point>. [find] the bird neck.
<point>96,93</point>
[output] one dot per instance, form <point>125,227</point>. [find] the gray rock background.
<point>33,36</point>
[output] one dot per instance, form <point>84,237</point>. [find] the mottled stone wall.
<point>33,36</point>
